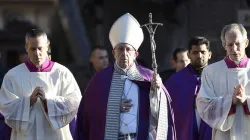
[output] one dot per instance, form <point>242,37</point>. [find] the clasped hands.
<point>38,92</point>
<point>239,95</point>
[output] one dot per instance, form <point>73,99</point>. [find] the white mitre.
<point>126,29</point>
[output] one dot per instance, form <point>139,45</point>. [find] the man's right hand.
<point>34,96</point>
<point>126,105</point>
<point>234,98</point>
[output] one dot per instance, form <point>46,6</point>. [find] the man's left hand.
<point>43,99</point>
<point>156,81</point>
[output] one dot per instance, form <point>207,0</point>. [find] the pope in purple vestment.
<point>92,110</point>
<point>183,87</point>
<point>119,102</point>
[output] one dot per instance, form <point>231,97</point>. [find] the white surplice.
<point>215,99</point>
<point>31,122</point>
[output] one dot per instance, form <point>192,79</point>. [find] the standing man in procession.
<point>180,59</point>
<point>119,102</point>
<point>224,98</point>
<point>99,60</point>
<point>39,98</point>
<point>183,87</point>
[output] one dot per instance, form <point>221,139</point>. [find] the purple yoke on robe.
<point>46,67</point>
<point>230,63</point>
<point>91,117</point>
<point>182,87</point>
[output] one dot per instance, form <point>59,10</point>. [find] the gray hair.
<point>35,33</point>
<point>231,27</point>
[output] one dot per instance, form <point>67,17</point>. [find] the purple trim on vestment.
<point>46,66</point>
<point>231,64</point>
<point>198,84</point>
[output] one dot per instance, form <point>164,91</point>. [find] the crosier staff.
<point>151,31</point>
<point>155,103</point>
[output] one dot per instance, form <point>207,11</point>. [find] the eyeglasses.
<point>239,44</point>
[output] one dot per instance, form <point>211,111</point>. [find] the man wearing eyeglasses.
<point>224,98</point>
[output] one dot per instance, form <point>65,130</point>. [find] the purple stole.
<point>46,67</point>
<point>183,87</point>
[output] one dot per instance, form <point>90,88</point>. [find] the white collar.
<point>120,67</point>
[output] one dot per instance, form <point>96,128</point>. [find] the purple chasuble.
<point>46,67</point>
<point>182,87</point>
<point>5,130</point>
<point>91,117</point>
<point>231,64</point>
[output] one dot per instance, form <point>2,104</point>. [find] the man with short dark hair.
<point>180,59</point>
<point>183,87</point>
<point>98,60</point>
<point>39,98</point>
